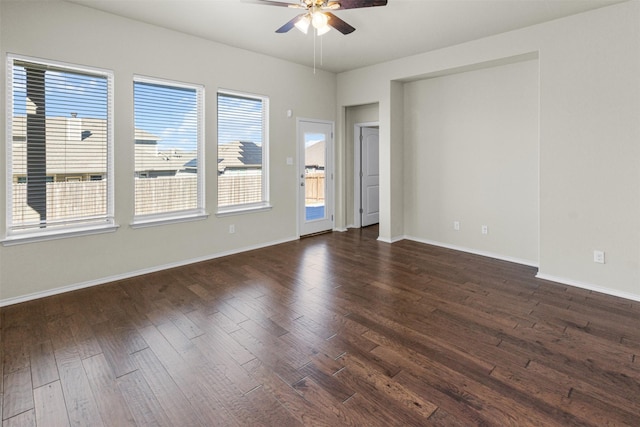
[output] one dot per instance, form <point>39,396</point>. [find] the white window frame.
<point>264,204</point>
<point>198,213</point>
<point>106,225</point>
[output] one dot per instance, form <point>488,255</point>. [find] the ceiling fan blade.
<point>275,3</point>
<point>289,25</point>
<point>339,24</point>
<point>355,4</point>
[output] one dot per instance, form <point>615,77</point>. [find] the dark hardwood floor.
<point>338,330</point>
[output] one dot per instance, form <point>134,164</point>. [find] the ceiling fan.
<point>317,14</point>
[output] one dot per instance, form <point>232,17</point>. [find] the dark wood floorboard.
<point>338,330</point>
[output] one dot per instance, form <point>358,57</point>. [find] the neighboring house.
<point>239,158</point>
<point>64,134</point>
<point>239,163</point>
<point>314,157</point>
<point>154,162</point>
<point>314,166</point>
<point>239,173</point>
<point>87,136</point>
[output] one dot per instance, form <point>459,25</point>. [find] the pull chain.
<point>321,51</point>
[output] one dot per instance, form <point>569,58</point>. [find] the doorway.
<point>315,172</point>
<point>367,174</point>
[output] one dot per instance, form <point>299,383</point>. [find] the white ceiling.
<point>402,28</point>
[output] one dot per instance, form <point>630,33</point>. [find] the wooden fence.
<point>314,187</point>
<point>239,189</point>
<point>88,198</point>
<point>65,200</point>
<point>165,194</point>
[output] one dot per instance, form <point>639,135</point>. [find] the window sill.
<point>153,221</point>
<point>33,237</point>
<point>240,210</point>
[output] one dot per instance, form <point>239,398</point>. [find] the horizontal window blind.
<point>59,162</point>
<point>242,150</point>
<point>168,147</point>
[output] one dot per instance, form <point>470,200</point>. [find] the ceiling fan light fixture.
<point>323,30</point>
<point>303,24</point>
<point>319,20</point>
<point>318,13</point>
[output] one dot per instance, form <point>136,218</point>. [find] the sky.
<point>313,138</point>
<point>239,118</point>
<point>169,112</point>
<point>65,94</point>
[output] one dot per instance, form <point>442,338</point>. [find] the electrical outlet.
<point>598,256</point>
<point>456,225</point>
<point>232,229</point>
<point>485,229</point>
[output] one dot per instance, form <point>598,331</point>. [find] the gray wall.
<point>354,115</point>
<point>588,150</point>
<point>471,155</point>
<point>70,33</point>
<point>588,143</point>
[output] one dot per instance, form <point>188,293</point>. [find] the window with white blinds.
<point>168,150</point>
<point>60,160</point>
<point>242,151</point>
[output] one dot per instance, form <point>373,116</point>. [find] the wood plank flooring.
<point>338,330</point>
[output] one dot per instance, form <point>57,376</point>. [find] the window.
<point>168,151</point>
<point>61,134</point>
<point>242,152</point>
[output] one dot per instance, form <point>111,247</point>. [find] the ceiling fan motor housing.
<point>318,14</point>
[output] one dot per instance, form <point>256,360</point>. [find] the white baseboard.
<point>474,251</point>
<point>393,240</point>
<point>560,280</point>
<point>589,286</point>
<point>103,280</point>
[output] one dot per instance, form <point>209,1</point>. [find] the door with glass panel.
<point>315,176</point>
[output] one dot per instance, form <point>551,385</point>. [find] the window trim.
<point>33,237</point>
<point>265,204</point>
<point>199,212</point>
<point>18,236</point>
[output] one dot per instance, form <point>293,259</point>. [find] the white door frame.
<point>329,172</point>
<point>357,166</point>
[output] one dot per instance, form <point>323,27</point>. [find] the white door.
<point>315,176</point>
<point>370,176</point>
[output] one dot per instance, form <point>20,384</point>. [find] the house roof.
<point>87,139</point>
<point>143,135</point>
<point>84,138</point>
<point>149,158</point>
<point>315,155</point>
<point>239,155</point>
